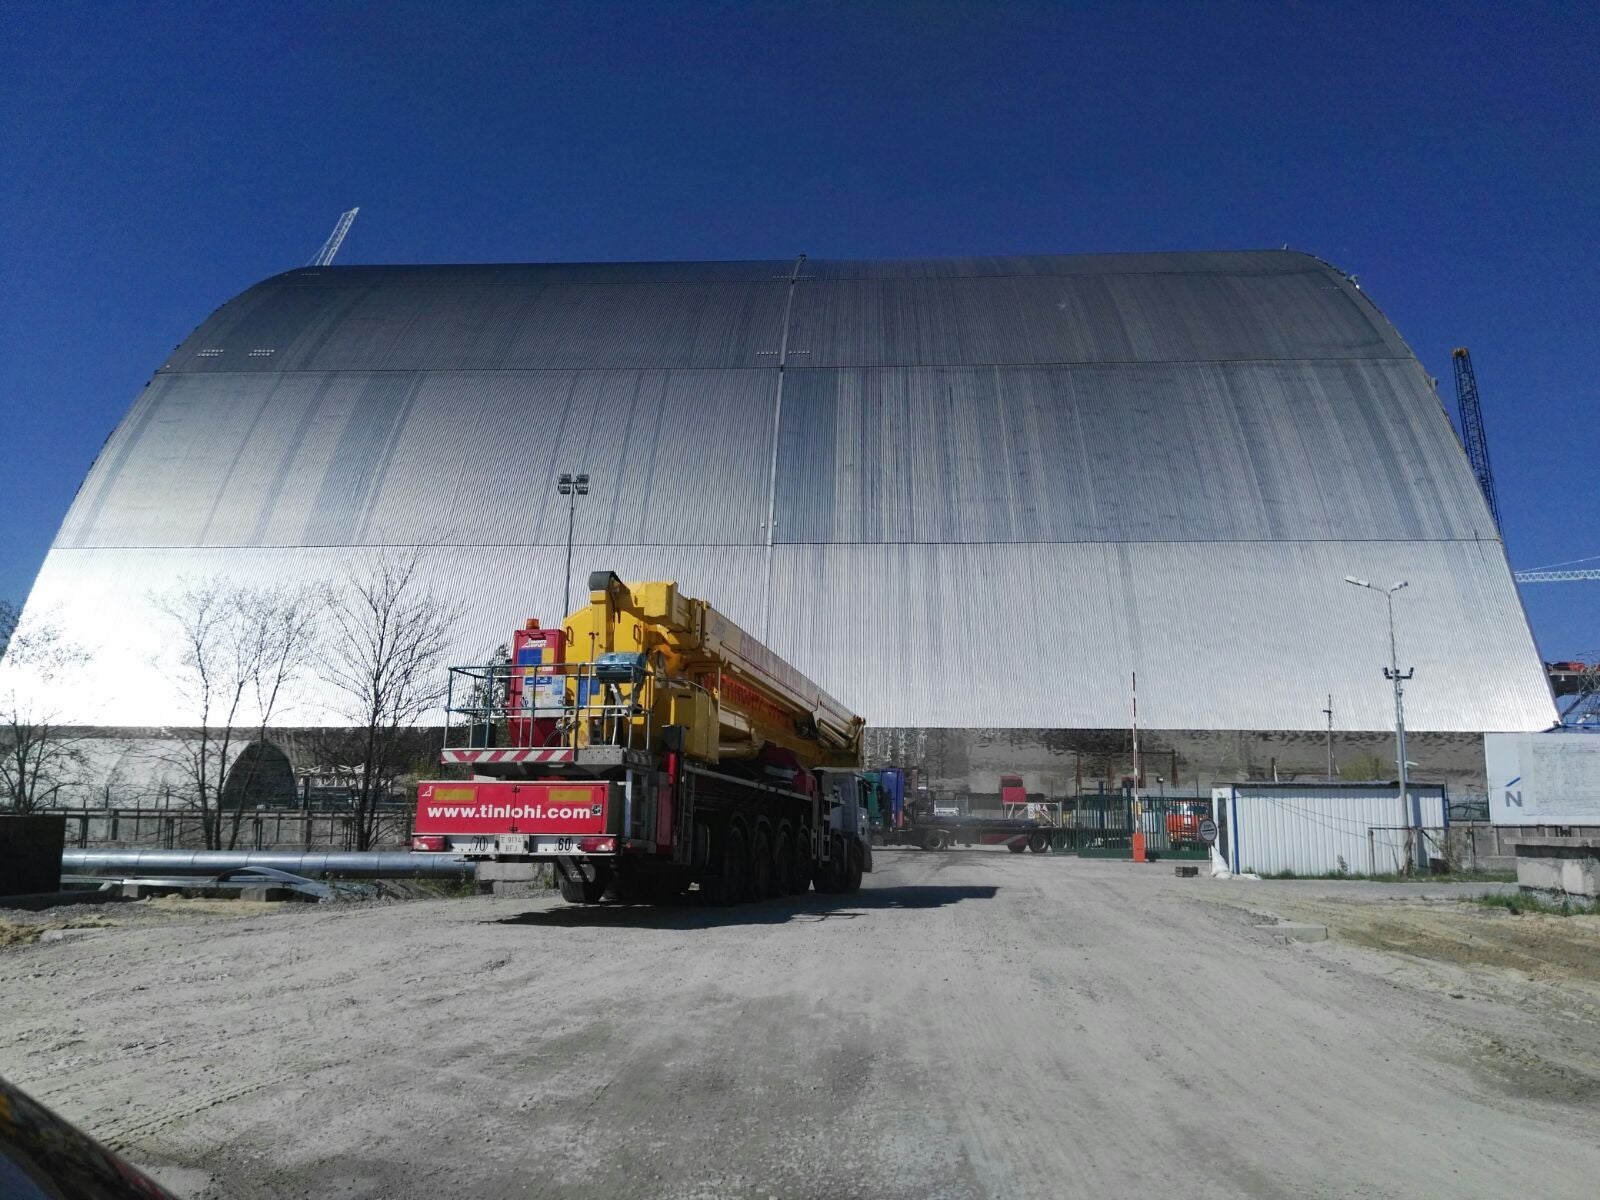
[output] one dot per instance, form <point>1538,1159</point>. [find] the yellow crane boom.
<point>726,690</point>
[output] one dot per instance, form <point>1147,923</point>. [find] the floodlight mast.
<point>571,486</point>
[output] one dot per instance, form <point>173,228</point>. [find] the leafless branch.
<point>387,634</point>
<point>237,652</point>
<point>39,750</point>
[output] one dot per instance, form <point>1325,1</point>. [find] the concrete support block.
<point>1569,865</point>
<point>270,893</point>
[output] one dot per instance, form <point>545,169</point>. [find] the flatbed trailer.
<point>940,833</point>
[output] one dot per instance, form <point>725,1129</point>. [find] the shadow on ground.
<point>688,913</point>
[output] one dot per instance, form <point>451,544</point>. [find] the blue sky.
<point>156,160</point>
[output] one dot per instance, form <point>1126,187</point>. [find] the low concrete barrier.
<point>1569,865</point>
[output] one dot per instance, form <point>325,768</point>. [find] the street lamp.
<point>1393,673</point>
<point>570,486</point>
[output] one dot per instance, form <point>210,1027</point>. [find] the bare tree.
<point>385,657</point>
<point>281,625</point>
<point>39,750</point>
<point>237,650</point>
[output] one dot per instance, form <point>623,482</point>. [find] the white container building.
<point>1317,829</point>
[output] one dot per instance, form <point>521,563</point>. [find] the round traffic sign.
<point>1208,831</point>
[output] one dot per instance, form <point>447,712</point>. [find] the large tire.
<point>581,890</point>
<point>1016,847</point>
<point>801,883</point>
<point>729,879</point>
<point>1038,843</point>
<point>852,881</point>
<point>832,874</point>
<point>933,840</point>
<point>783,863</point>
<point>761,863</point>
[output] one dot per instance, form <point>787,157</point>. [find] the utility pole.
<point>570,486</point>
<point>1393,673</point>
<point>1329,712</point>
<point>1137,776</point>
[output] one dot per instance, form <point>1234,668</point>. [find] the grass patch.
<point>1523,902</point>
<point>1393,877</point>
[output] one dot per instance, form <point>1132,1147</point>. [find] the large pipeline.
<point>370,864</point>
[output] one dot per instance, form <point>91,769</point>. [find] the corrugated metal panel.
<point>1032,637</point>
<point>106,596</point>
<point>434,458</point>
<point>1023,319</point>
<point>545,326</point>
<point>1046,309</point>
<point>1188,262</point>
<point>1222,635</point>
<point>1157,452</point>
<point>1315,831</point>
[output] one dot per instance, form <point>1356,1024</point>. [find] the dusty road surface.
<point>972,1024</point>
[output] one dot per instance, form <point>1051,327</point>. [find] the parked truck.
<point>646,746</point>
<point>923,822</point>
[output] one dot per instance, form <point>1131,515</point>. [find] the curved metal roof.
<point>960,492</point>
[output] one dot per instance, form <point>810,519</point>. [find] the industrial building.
<point>972,498</point>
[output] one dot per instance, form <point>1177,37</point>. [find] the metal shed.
<point>1321,828</point>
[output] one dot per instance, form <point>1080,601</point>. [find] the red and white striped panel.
<point>564,754</point>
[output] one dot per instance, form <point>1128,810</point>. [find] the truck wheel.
<point>832,874</point>
<point>1016,847</point>
<point>1038,843</point>
<point>801,858</point>
<point>729,878</point>
<point>783,864</point>
<point>933,840</point>
<point>576,888</point>
<point>761,863</point>
<point>852,882</point>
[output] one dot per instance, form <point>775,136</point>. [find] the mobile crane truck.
<point>648,745</point>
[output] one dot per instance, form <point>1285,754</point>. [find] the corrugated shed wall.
<point>1001,485</point>
<point>1315,831</point>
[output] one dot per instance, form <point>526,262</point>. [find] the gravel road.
<point>972,1024</point>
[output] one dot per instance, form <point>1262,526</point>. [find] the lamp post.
<point>1397,677</point>
<point>570,486</point>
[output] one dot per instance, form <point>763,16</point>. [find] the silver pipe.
<point>371,864</point>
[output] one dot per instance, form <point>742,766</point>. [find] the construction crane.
<point>1472,435</point>
<point>336,239</point>
<point>1561,572</point>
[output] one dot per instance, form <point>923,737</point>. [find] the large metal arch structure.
<point>958,493</point>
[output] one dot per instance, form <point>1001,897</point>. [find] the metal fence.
<point>1102,826</point>
<point>259,829</point>
<point>1468,806</point>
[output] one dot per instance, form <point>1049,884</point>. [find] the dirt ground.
<point>971,1025</point>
